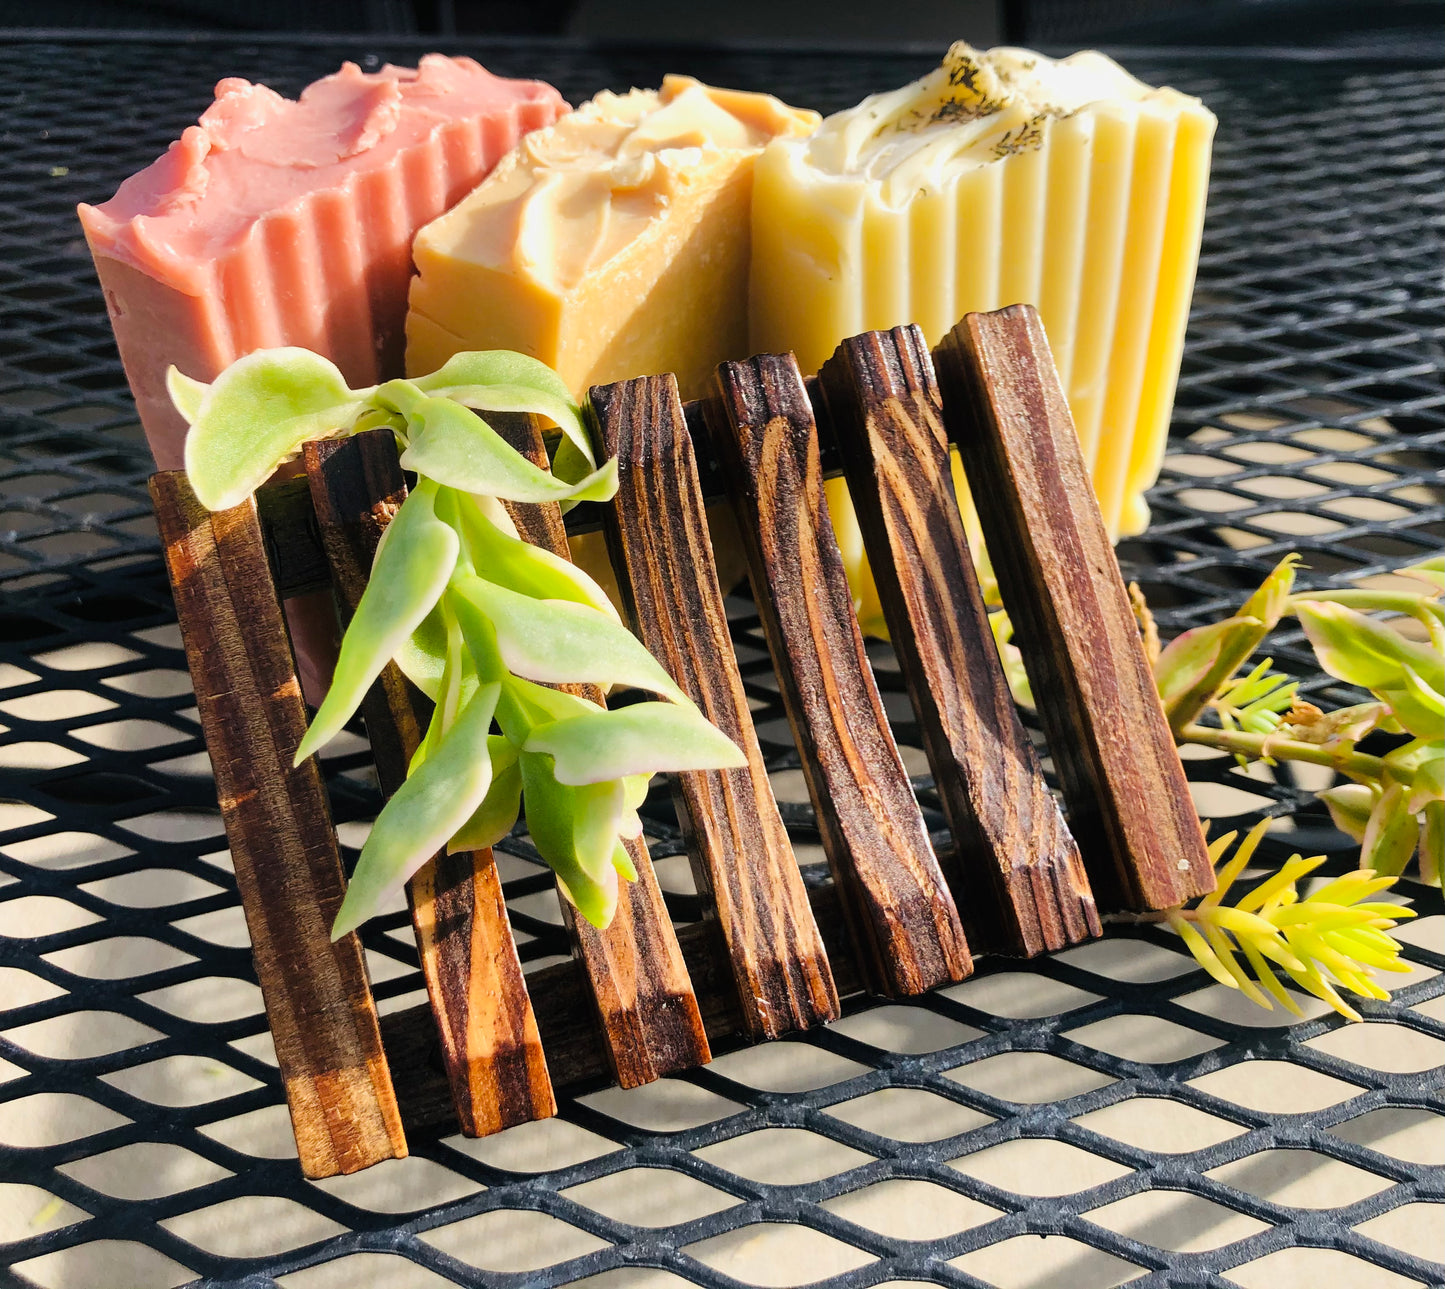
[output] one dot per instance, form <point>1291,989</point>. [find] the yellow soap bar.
<point>1001,178</point>
<point>612,244</point>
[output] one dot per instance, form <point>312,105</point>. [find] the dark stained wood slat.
<point>1123,783</point>
<point>567,1019</point>
<point>742,859</point>
<point>902,915</point>
<point>487,1029</point>
<point>1020,882</point>
<point>298,564</point>
<point>644,1000</point>
<point>288,867</point>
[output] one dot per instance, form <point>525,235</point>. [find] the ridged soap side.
<point>326,268</point>
<point>1097,225</point>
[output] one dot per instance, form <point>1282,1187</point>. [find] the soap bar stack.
<point>279,222</point>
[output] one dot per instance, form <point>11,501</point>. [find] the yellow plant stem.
<point>1271,747</point>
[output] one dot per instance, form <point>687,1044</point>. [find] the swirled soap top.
<point>974,108</point>
<point>254,153</point>
<point>571,197</point>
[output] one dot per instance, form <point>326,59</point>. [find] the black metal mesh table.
<point>1109,1099</point>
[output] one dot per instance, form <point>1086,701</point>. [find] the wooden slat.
<point>487,1029</point>
<point>1123,783</point>
<point>742,859</point>
<point>568,1021</point>
<point>283,846</point>
<point>899,907</point>
<point>1023,885</point>
<point>648,1013</point>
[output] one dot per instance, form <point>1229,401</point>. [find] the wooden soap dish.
<point>641,1000</point>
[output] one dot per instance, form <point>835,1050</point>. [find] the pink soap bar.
<point>275,222</point>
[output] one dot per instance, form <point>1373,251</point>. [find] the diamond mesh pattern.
<point>143,1139</point>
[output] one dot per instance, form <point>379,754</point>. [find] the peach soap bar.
<point>1002,178</point>
<point>613,244</point>
<point>280,222</point>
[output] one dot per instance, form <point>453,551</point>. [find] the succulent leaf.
<point>425,811</point>
<point>555,641</point>
<point>413,564</point>
<point>633,741</point>
<point>255,415</point>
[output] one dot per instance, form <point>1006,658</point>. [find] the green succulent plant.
<point>1392,803</point>
<point>1329,939</point>
<point>482,622</point>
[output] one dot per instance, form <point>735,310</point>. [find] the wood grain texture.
<point>278,823</point>
<point>902,914</point>
<point>1020,882</point>
<point>293,546</point>
<point>646,1008</point>
<point>742,859</point>
<point>569,1027</point>
<point>485,1022</point>
<point>1124,786</point>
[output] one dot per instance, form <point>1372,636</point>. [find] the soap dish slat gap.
<point>900,911</point>
<point>1123,782</point>
<point>1018,876</point>
<point>742,859</point>
<point>485,1023</point>
<point>644,999</point>
<point>288,866</point>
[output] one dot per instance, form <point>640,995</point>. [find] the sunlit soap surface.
<point>613,244</point>
<point>1002,178</point>
<point>281,222</point>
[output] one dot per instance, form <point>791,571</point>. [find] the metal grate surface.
<point>143,1139</point>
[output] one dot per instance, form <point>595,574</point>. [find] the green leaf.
<point>622,861</point>
<point>459,682</point>
<point>1419,707</point>
<point>1194,665</point>
<point>554,641</point>
<point>413,564</point>
<point>422,656</point>
<point>259,412</point>
<point>502,380</point>
<point>1350,805</point>
<point>496,816</point>
<point>525,568</point>
<point>1432,843</point>
<point>562,412</point>
<point>635,786</point>
<point>644,739</point>
<point>575,831</point>
<point>1271,601</point>
<point>525,705</point>
<point>426,810</point>
<point>570,463</point>
<point>1428,783</point>
<point>1361,651</point>
<point>186,394</point>
<point>1430,571</point>
<point>495,367</point>
<point>1012,660</point>
<point>1391,834</point>
<point>457,448</point>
